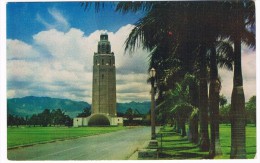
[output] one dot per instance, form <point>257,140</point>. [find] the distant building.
<point>103,109</point>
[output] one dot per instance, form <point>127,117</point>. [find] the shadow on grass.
<point>178,148</point>
<point>183,155</point>
<point>173,140</point>
<point>174,147</point>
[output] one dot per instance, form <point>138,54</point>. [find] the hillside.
<point>142,107</point>
<point>30,105</point>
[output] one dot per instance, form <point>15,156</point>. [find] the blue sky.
<point>50,47</point>
<point>27,19</point>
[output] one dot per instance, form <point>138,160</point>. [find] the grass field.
<point>176,147</point>
<point>31,135</point>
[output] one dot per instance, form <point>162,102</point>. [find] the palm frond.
<point>125,7</point>
<point>248,38</point>
<point>225,55</point>
<point>97,5</point>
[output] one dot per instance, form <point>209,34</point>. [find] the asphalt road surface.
<point>118,145</point>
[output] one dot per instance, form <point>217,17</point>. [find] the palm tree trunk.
<point>193,129</point>
<point>237,112</point>
<point>183,128</point>
<point>178,126</point>
<point>215,148</point>
<point>195,135</point>
<point>203,101</point>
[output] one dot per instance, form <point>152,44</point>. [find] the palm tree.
<point>243,15</point>
<point>203,101</point>
<point>177,102</point>
<point>214,90</point>
<point>182,113</point>
<point>221,55</point>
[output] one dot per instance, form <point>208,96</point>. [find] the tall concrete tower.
<point>103,109</point>
<point>104,79</point>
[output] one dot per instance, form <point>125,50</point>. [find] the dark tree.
<point>45,118</point>
<point>85,113</point>
<point>251,110</point>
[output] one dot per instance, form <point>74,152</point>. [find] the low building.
<point>97,120</point>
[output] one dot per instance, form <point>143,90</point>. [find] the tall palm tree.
<point>203,101</point>
<point>242,13</point>
<point>221,55</point>
<point>214,90</point>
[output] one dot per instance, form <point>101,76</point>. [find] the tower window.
<point>103,48</point>
<point>102,61</point>
<point>102,76</point>
<point>110,62</point>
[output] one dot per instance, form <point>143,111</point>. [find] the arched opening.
<point>98,120</point>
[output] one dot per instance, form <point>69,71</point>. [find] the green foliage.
<point>46,118</point>
<point>85,113</point>
<point>129,114</point>
<point>15,120</point>
<point>178,103</point>
<point>182,110</point>
<point>222,100</point>
<point>224,113</point>
<point>194,113</point>
<point>251,110</point>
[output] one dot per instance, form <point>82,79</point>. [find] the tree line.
<point>46,118</point>
<point>250,113</point>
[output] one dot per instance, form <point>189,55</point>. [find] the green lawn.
<point>31,135</point>
<point>176,147</point>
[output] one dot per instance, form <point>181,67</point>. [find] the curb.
<point>134,156</point>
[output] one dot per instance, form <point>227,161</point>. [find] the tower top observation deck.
<point>104,46</point>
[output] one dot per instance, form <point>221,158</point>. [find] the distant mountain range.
<point>30,105</point>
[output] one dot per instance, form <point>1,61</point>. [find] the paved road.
<point>118,145</point>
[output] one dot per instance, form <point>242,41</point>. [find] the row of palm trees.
<point>196,38</point>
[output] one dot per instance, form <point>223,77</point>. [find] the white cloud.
<point>17,49</point>
<point>133,87</point>
<point>44,22</point>
<point>59,21</point>
<point>248,72</point>
<point>59,18</point>
<point>66,71</point>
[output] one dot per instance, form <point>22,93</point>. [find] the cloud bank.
<point>59,64</point>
